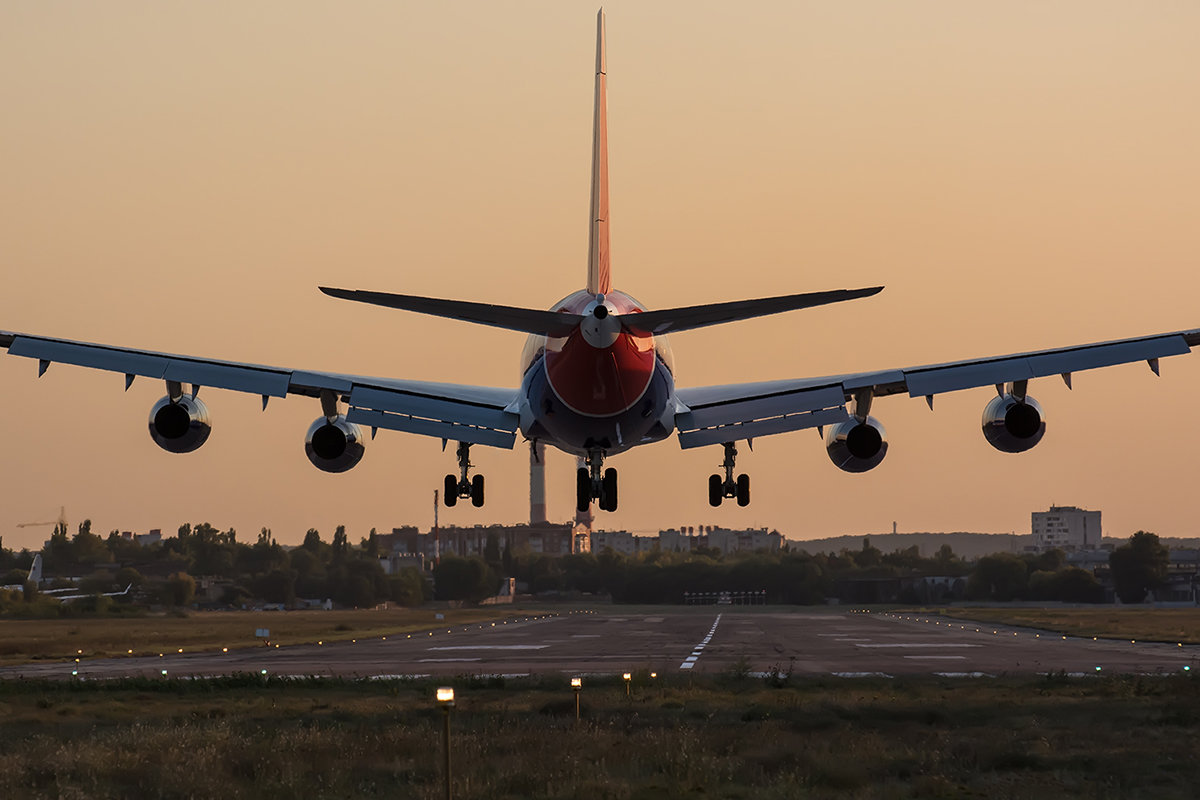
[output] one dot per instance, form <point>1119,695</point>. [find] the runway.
<point>699,640</point>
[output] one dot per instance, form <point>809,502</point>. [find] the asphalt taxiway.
<point>708,639</point>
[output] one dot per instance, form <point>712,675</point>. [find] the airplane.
<point>35,577</point>
<point>598,378</point>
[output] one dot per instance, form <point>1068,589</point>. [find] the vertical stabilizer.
<point>598,280</point>
<point>35,571</point>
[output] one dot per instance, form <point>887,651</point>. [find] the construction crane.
<point>62,520</point>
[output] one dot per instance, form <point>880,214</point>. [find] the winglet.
<point>599,279</point>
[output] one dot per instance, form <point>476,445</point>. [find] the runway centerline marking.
<point>896,645</point>
<point>691,660</point>
<point>492,647</point>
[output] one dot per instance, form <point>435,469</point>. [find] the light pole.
<point>577,685</point>
<point>445,698</point>
<point>628,682</point>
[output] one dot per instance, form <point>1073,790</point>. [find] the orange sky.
<point>182,177</point>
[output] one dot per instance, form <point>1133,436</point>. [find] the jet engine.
<point>1013,425</point>
<point>333,444</point>
<point>180,426</point>
<point>856,446</point>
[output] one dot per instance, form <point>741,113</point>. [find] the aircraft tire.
<point>477,491</point>
<point>743,490</point>
<point>583,489</point>
<point>450,496</point>
<point>716,490</point>
<point>608,490</point>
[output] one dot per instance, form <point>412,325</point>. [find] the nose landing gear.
<point>464,485</point>
<point>594,481</point>
<point>719,489</point>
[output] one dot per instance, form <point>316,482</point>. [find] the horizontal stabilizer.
<point>669,320</point>
<point>527,320</point>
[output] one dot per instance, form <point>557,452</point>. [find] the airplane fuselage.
<point>600,387</point>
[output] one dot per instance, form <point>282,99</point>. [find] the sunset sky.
<point>181,177</point>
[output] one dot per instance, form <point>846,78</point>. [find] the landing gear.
<point>464,485</point>
<point>719,489</point>
<point>593,481</point>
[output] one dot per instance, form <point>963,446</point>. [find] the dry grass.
<point>692,737</point>
<point>23,641</point>
<point>1112,622</point>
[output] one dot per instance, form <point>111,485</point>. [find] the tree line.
<point>351,575</point>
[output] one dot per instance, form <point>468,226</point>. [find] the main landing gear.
<point>719,489</point>
<point>464,485</point>
<point>594,481</point>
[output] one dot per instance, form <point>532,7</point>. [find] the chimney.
<point>537,483</point>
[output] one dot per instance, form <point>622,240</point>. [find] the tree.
<point>312,540</point>
<point>464,579</point>
<point>341,545</point>
<point>179,590</point>
<point>1139,567</point>
<point>1000,577</point>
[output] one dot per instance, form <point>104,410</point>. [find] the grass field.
<point>1170,625</point>
<point>22,641</point>
<point>724,736</point>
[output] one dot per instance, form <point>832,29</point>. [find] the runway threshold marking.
<point>691,660</point>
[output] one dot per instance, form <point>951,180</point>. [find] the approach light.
<point>74,672</point>
<point>653,674</point>
<point>1097,669</point>
<point>181,649</point>
<point>264,673</point>
<point>130,652</point>
<point>164,673</point>
<point>1186,668</point>
<point>223,650</point>
<point>627,676</point>
<point>445,695</point>
<point>78,652</point>
<point>385,638</point>
<point>576,683</point>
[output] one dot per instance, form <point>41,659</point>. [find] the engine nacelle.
<point>1013,426</point>
<point>334,446</point>
<point>181,426</point>
<point>855,446</point>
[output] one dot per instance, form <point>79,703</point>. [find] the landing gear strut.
<point>719,489</point>
<point>464,485</point>
<point>595,481</point>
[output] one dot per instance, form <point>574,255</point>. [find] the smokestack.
<point>537,483</point>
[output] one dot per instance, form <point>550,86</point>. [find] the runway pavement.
<point>674,640</point>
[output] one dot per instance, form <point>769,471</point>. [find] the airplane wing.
<point>474,414</point>
<point>716,414</point>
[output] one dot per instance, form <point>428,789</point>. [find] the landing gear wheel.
<point>743,490</point>
<point>583,489</point>
<point>450,496</point>
<point>477,491</point>
<point>608,490</point>
<point>716,490</point>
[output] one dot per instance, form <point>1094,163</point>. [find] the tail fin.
<point>35,570</point>
<point>599,280</point>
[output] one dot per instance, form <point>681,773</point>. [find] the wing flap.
<point>436,428</point>
<point>748,416</point>
<point>432,408</point>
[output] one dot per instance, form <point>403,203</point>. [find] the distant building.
<point>154,536</point>
<point>546,539</point>
<point>686,539</point>
<point>1066,527</point>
